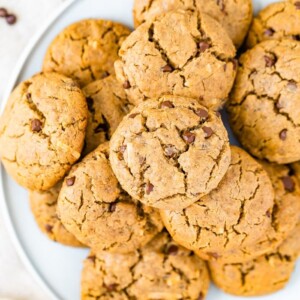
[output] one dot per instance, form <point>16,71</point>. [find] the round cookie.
<point>284,217</point>
<point>99,213</point>
<point>86,50</point>
<point>234,15</point>
<point>263,275</point>
<point>42,130</point>
<point>161,147</point>
<point>107,104</point>
<point>160,270</point>
<point>280,20</point>
<point>179,53</point>
<point>264,107</point>
<point>235,214</point>
<point>43,206</point>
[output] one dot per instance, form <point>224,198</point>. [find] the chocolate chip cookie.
<point>264,107</point>
<point>107,104</point>
<point>280,20</point>
<point>233,215</point>
<point>99,213</point>
<point>182,53</point>
<point>42,130</point>
<point>86,50</point>
<point>160,270</point>
<point>43,206</point>
<point>160,149</point>
<point>263,275</point>
<point>234,15</point>
<point>284,217</point>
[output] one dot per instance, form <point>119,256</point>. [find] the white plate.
<point>55,267</point>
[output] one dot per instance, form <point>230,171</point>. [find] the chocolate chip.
<point>105,74</point>
<point>189,137</point>
<point>36,125</point>
<point>268,214</point>
<point>202,113</point>
<point>297,4</point>
<point>170,151</point>
<point>203,46</point>
<point>70,181</point>
<point>167,104</point>
<point>218,114</point>
<point>3,12</point>
<point>296,37</point>
<point>166,68</point>
<point>92,258</point>
<point>283,134</point>
<point>172,250</point>
<point>270,61</point>
<point>48,228</point>
<point>90,104</point>
<point>132,116</point>
<point>112,207</point>
<point>269,32</point>
<point>292,85</point>
<point>235,63</point>
<point>288,183</point>
<point>201,296</point>
<point>11,19</point>
<point>208,131</point>
<point>126,85</point>
<point>149,188</point>
<point>213,255</point>
<point>111,287</point>
<point>279,105</point>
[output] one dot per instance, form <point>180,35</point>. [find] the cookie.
<point>107,104</point>
<point>234,15</point>
<point>264,107</point>
<point>280,20</point>
<point>43,206</point>
<point>284,217</point>
<point>42,130</point>
<point>263,275</point>
<point>233,215</point>
<point>86,50</point>
<point>161,270</point>
<point>161,147</point>
<point>99,213</point>
<point>179,53</point>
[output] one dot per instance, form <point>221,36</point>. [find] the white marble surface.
<point>15,282</point>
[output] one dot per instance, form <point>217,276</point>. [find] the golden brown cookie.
<point>233,215</point>
<point>99,213</point>
<point>280,20</point>
<point>179,53</point>
<point>234,15</point>
<point>160,149</point>
<point>107,104</point>
<point>160,270</point>
<point>43,206</point>
<point>42,130</point>
<point>86,50</point>
<point>284,217</point>
<point>263,275</point>
<point>264,107</point>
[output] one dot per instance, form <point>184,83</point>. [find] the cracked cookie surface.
<point>93,207</point>
<point>233,15</point>
<point>263,275</point>
<point>160,270</point>
<point>86,50</point>
<point>277,21</point>
<point>160,149</point>
<point>232,215</point>
<point>43,206</point>
<point>42,130</point>
<point>107,104</point>
<point>179,53</point>
<point>264,106</point>
<point>284,216</point>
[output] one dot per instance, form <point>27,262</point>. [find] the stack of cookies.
<point>123,149</point>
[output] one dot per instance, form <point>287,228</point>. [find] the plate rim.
<point>5,212</point>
